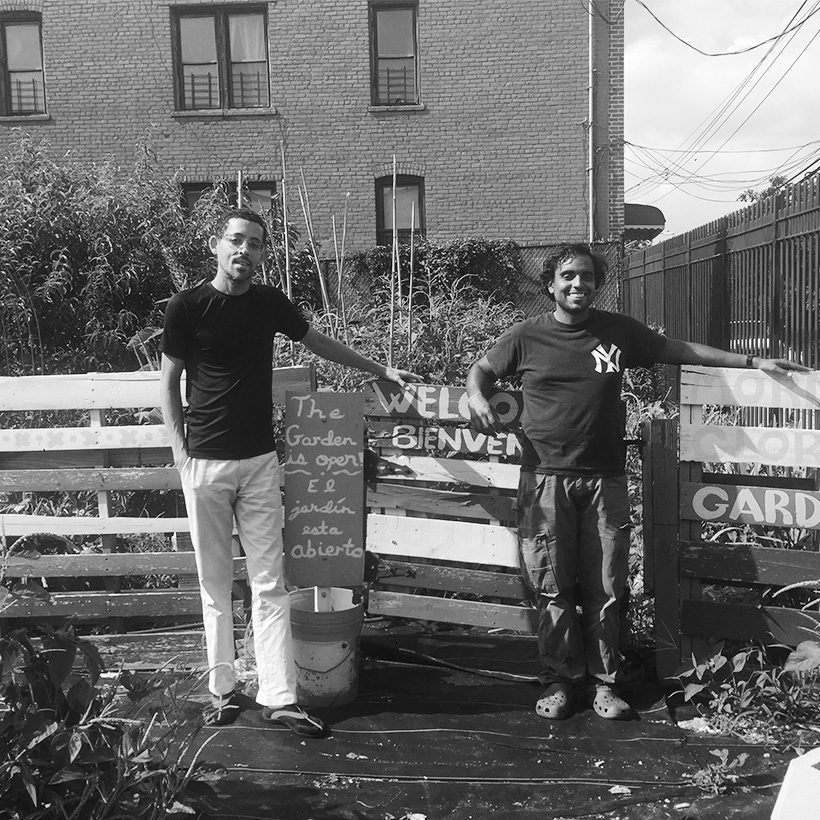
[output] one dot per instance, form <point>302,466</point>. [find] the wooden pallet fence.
<point>754,482</point>
<point>77,450</point>
<point>441,540</point>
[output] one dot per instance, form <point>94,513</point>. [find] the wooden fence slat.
<point>84,459</point>
<point>49,439</point>
<point>114,390</point>
<point>445,471</point>
<point>99,478</point>
<point>90,565</point>
<point>454,579</point>
<point>748,388</point>
<point>175,649</point>
<point>453,610</point>
<point>93,605</point>
<point>748,563</point>
<point>434,401</point>
<point>422,436</point>
<point>476,506</point>
<point>465,542</point>
<point>15,524</point>
<point>745,621</point>
<point>746,504</point>
<point>759,445</point>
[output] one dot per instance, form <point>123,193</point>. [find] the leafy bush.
<point>752,695</point>
<point>447,334</point>
<point>89,254</point>
<point>68,751</point>
<point>80,258</point>
<point>492,268</point>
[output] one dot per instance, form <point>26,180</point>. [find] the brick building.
<point>485,104</point>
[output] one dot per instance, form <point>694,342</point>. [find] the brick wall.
<point>500,140</point>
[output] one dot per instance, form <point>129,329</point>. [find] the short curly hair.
<point>242,213</point>
<point>565,252</point>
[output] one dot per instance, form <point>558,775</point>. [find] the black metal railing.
<point>27,95</point>
<point>249,85</point>
<point>396,81</point>
<point>201,90</point>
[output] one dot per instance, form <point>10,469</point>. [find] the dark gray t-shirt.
<point>571,376</point>
<point>226,343</point>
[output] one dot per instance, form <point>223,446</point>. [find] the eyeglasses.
<point>238,240</point>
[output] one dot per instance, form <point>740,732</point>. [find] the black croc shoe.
<point>557,702</point>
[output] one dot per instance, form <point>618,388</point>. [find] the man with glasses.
<point>221,334</point>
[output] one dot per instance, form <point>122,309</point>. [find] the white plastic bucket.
<point>326,648</point>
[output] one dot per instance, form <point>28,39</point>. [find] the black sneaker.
<point>294,718</point>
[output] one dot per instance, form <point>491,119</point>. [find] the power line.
<point>719,150</point>
<point>666,173</point>
<point>722,53</point>
<point>721,113</point>
<point>719,116</point>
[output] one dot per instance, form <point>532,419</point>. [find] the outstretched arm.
<point>480,381</point>
<point>677,351</point>
<point>171,403</point>
<point>335,351</point>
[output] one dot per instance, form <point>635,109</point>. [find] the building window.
<point>409,206</point>
<point>22,85</point>
<point>221,57</point>
<point>394,61</point>
<point>257,196</point>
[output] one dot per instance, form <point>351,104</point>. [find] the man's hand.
<point>779,366</point>
<point>482,415</point>
<point>180,456</point>
<point>401,377</point>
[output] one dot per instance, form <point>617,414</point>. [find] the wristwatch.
<point>750,361</point>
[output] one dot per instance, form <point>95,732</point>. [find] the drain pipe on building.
<point>590,122</point>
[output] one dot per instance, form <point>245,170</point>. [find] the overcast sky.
<point>679,99</point>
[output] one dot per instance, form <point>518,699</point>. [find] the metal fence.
<point>749,281</point>
<point>532,297</point>
<point>529,295</point>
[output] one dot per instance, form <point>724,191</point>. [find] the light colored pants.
<point>248,490</point>
<point>573,534</point>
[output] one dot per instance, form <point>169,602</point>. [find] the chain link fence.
<point>532,297</point>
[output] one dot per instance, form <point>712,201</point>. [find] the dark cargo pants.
<point>573,534</point>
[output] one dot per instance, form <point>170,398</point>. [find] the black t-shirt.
<point>226,343</point>
<point>571,375</point>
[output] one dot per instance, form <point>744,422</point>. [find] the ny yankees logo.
<point>610,358</point>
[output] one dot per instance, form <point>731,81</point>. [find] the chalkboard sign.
<point>324,489</point>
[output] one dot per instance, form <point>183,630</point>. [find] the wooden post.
<point>660,509</point>
<point>109,542</point>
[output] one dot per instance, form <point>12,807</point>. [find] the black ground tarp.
<point>428,739</point>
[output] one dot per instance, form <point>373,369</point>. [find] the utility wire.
<point>715,119</point>
<point>722,53</point>
<point>757,107</point>
<point>812,166</point>
<point>659,166</point>
<point>592,9</point>
<point>718,150</point>
<point>720,115</point>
